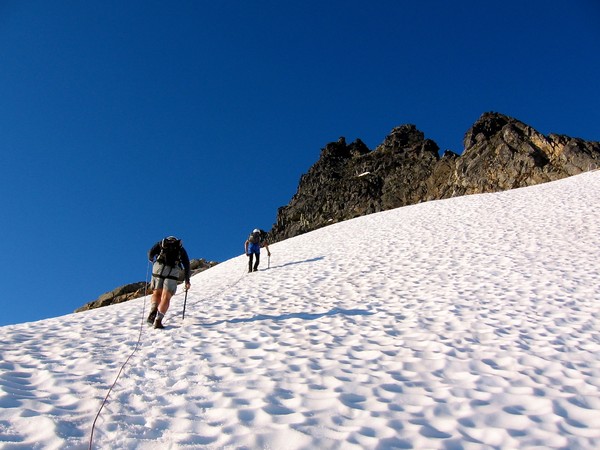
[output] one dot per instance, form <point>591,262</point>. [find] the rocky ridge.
<point>500,153</point>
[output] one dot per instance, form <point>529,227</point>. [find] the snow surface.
<point>466,323</point>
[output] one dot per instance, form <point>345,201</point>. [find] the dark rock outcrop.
<point>350,181</point>
<point>139,289</point>
<point>118,295</point>
<point>500,153</point>
<point>503,153</point>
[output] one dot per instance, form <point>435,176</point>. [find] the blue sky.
<point>124,122</point>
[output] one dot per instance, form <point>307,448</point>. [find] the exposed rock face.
<point>350,181</point>
<point>503,153</point>
<point>118,295</point>
<point>139,289</point>
<point>500,153</point>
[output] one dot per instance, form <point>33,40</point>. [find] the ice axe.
<point>184,303</point>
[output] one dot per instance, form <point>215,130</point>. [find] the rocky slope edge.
<point>500,153</point>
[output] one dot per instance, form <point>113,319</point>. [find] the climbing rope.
<point>137,344</point>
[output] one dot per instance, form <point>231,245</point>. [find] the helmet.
<point>171,241</point>
<point>256,230</point>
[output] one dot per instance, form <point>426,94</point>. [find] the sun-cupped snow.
<point>472,322</point>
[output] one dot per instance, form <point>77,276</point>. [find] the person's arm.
<point>185,261</point>
<point>266,245</point>
<point>154,251</point>
<point>246,247</point>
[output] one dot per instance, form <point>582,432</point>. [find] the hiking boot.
<point>158,324</point>
<point>152,316</point>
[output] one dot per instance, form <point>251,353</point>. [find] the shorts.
<point>165,277</point>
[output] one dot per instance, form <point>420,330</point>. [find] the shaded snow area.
<point>466,323</point>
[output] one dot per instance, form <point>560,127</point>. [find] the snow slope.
<point>466,323</point>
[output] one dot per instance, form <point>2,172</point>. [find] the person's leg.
<point>257,261</point>
<point>250,255</point>
<point>157,290</point>
<point>169,288</point>
<point>165,302</point>
<point>156,285</point>
<point>154,301</point>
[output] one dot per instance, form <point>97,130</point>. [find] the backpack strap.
<point>170,251</point>
<point>162,275</point>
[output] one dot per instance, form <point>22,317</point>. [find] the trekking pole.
<point>269,262</point>
<point>184,302</point>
